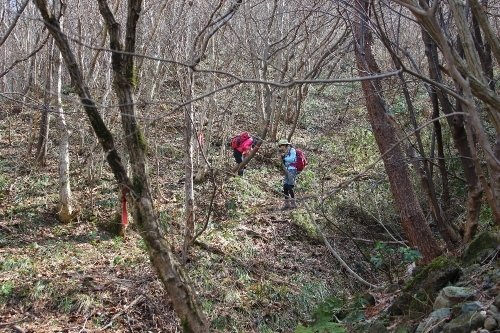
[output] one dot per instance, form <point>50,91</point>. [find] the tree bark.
<point>43,134</point>
<point>423,169</point>
<point>64,207</point>
<point>184,298</point>
<point>472,83</point>
<point>411,214</point>
<point>459,136</point>
<point>188,167</point>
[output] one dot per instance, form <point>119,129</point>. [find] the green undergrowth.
<point>256,268</point>
<point>258,280</point>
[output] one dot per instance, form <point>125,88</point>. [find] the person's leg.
<point>292,197</point>
<point>238,157</point>
<point>290,181</point>
<point>291,194</point>
<point>286,189</point>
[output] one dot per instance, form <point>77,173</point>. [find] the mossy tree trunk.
<point>185,300</point>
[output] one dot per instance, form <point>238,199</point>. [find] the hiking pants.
<point>238,157</point>
<point>289,183</point>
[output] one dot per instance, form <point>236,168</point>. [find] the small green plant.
<point>384,258</point>
<point>6,289</point>
<point>3,186</point>
<point>66,304</point>
<point>409,255</point>
<point>58,231</point>
<point>302,220</point>
<point>39,291</point>
<point>308,180</point>
<point>117,243</point>
<point>142,245</point>
<point>382,255</point>
<point>66,90</point>
<point>82,303</point>
<point>118,260</point>
<point>323,316</point>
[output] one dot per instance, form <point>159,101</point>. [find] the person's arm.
<point>246,146</point>
<point>291,157</point>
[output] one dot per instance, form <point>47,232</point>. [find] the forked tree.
<point>176,281</point>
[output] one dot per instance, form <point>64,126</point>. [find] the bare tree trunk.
<point>36,115</point>
<point>64,208</point>
<point>469,77</point>
<point>14,22</point>
<point>423,169</point>
<point>188,167</point>
<point>459,135</point>
<point>478,66</point>
<point>412,217</point>
<point>484,51</point>
<point>43,134</point>
<point>184,298</point>
<point>186,79</point>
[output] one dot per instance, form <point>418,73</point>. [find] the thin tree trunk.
<point>463,73</point>
<point>36,115</point>
<point>484,52</point>
<point>480,68</point>
<point>184,298</point>
<point>411,214</point>
<point>43,134</point>
<point>64,208</point>
<point>459,134</point>
<point>423,169</point>
<point>187,78</point>
<point>188,167</point>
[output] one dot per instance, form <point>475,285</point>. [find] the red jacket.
<point>246,143</point>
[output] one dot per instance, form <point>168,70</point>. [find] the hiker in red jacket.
<point>242,144</point>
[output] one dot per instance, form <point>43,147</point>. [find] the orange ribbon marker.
<point>124,206</point>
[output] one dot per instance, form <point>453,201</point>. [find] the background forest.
<point>112,104</point>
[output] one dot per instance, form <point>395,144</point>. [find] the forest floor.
<point>256,268</point>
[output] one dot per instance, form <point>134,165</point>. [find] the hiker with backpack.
<point>289,159</point>
<point>241,144</point>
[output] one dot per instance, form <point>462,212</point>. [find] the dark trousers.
<point>238,157</point>
<point>288,191</point>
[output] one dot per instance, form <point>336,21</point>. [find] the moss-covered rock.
<point>418,296</point>
<point>481,247</point>
<point>470,321</point>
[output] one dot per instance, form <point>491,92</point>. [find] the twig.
<point>8,229</point>
<point>85,323</point>
<point>12,322</point>
<point>135,301</point>
<point>335,254</point>
<point>18,329</point>
<point>491,256</point>
<point>371,240</point>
